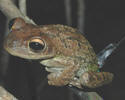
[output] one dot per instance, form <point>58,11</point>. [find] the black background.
<point>104,23</point>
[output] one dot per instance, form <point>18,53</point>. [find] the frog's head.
<point>27,41</point>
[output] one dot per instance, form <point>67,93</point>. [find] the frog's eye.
<point>11,22</point>
<point>36,45</point>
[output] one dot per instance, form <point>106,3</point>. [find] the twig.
<point>4,95</point>
<point>68,12</point>
<point>11,11</point>
<point>85,95</point>
<point>70,95</point>
<point>22,6</point>
<point>94,96</point>
<point>5,56</point>
<point>107,51</point>
<point>81,15</point>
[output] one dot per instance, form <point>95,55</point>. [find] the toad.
<point>65,52</point>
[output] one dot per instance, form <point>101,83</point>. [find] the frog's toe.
<point>95,79</point>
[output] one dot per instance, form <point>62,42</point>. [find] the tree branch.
<point>5,56</point>
<point>11,11</point>
<point>81,12</point>
<point>85,95</point>
<point>4,95</point>
<point>68,13</point>
<point>22,6</point>
<point>107,51</point>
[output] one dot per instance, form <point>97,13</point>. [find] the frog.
<point>64,51</point>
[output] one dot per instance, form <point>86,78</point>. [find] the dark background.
<point>104,23</point>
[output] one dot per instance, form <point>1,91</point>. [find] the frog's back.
<point>70,42</point>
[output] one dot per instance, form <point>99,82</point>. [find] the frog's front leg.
<point>95,79</point>
<point>62,70</point>
<point>63,77</point>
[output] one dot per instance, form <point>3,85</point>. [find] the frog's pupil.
<point>36,46</point>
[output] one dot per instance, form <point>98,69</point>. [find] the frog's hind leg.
<point>95,79</point>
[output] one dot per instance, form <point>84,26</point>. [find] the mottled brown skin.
<point>67,54</point>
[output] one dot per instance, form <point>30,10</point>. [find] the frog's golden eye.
<point>36,45</point>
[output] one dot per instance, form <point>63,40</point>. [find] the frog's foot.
<point>62,77</point>
<point>95,79</point>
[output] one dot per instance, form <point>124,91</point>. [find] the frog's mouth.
<point>51,66</point>
<point>54,69</point>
